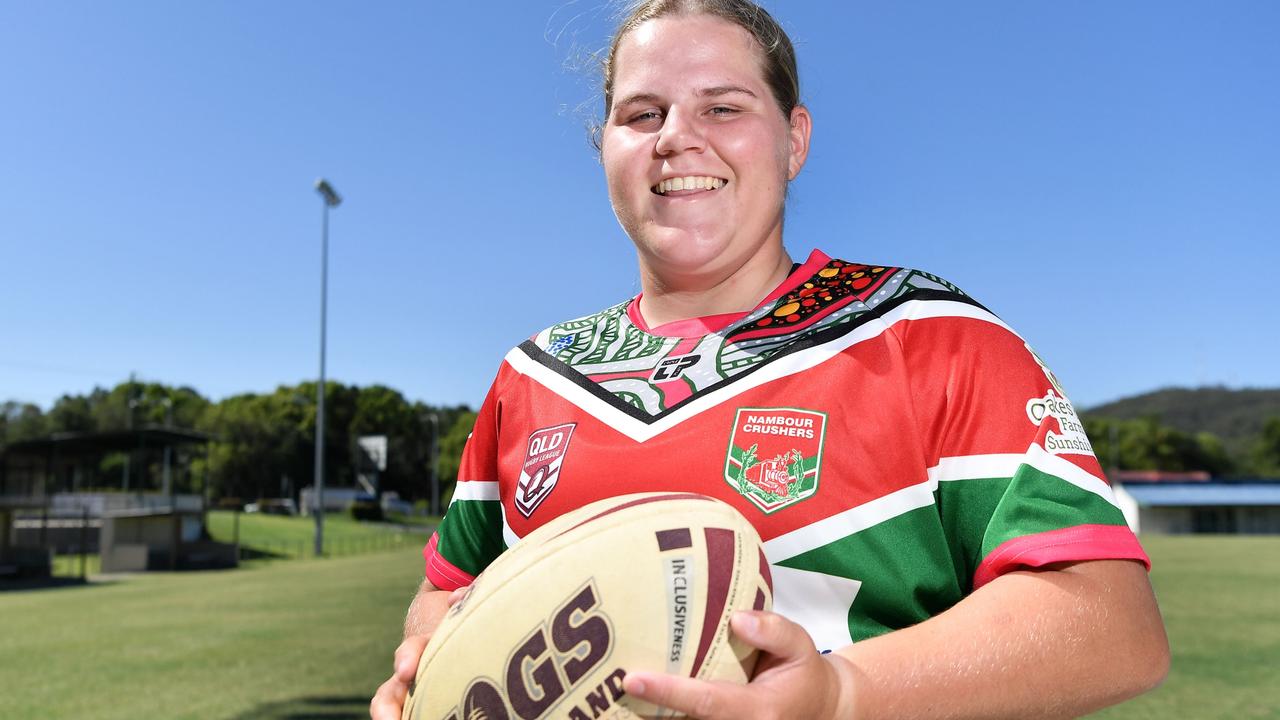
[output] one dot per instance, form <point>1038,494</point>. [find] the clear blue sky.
<point>1105,176</point>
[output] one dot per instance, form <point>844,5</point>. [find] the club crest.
<point>541,469</point>
<point>775,455</point>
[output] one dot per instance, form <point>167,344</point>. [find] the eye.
<point>644,117</point>
<point>723,110</point>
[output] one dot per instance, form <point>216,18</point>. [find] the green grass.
<point>1220,596</point>
<point>278,536</point>
<point>279,640</point>
<point>314,639</point>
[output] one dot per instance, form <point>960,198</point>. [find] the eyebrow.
<point>716,91</point>
<point>724,90</point>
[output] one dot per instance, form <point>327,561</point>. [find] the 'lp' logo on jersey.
<point>541,469</point>
<point>673,367</point>
<point>775,455</point>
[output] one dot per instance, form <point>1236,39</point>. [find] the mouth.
<point>690,185</point>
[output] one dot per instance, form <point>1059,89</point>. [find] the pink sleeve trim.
<point>442,573</point>
<point>1082,542</point>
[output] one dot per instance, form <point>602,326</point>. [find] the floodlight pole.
<point>331,199</point>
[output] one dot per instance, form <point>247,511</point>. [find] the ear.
<point>801,127</point>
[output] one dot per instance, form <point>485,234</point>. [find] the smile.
<point>691,183</point>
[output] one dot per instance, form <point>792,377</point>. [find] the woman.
<point>931,510</point>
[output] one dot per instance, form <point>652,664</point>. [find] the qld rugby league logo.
<point>541,469</point>
<point>775,455</point>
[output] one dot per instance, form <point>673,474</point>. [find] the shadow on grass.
<point>309,708</point>
<point>50,583</point>
<point>254,553</point>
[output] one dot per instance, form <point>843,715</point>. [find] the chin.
<point>682,250</point>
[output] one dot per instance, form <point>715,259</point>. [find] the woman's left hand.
<point>791,679</point>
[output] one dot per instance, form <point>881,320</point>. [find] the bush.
<point>366,510</point>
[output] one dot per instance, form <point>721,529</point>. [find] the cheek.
<point>759,152</point>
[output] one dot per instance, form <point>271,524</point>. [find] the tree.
<point>72,413</point>
<point>21,421</point>
<point>451,445</point>
<point>1146,444</point>
<point>1266,451</point>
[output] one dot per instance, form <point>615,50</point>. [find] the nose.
<point>680,132</point>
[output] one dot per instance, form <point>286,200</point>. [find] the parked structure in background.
<point>145,513</point>
<point>1180,503</point>
<point>341,499</point>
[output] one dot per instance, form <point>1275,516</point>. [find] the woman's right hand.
<point>388,702</point>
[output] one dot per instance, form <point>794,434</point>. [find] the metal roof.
<point>1204,494</point>
<point>110,441</point>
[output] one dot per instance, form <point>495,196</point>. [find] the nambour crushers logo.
<point>541,469</point>
<point>775,455</point>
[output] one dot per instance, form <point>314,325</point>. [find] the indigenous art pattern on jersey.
<point>654,374</point>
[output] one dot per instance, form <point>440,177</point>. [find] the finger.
<point>456,596</point>
<point>407,657</point>
<point>696,698</point>
<point>388,703</point>
<point>772,633</point>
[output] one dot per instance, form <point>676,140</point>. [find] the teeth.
<point>693,182</point>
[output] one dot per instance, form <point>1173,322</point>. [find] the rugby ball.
<point>635,582</point>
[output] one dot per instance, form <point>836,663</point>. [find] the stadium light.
<point>331,199</point>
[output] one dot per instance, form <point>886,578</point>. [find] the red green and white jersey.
<point>895,444</point>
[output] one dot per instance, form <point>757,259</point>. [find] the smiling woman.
<point>692,103</point>
<point>934,538</point>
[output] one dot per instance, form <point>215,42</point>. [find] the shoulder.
<point>877,284</point>
<point>570,338</point>
<point>916,307</point>
<point>829,290</point>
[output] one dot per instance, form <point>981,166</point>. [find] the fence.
<point>256,544</point>
<point>60,545</point>
<point>277,549</point>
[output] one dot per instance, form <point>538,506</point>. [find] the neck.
<point>668,297</point>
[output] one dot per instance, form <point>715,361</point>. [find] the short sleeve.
<point>1018,485</point>
<point>470,535</point>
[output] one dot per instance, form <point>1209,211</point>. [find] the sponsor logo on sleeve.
<point>1072,439</point>
<point>775,455</point>
<point>541,469</point>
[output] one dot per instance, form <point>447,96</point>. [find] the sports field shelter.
<point>146,511</point>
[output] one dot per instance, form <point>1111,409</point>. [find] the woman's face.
<point>692,110</point>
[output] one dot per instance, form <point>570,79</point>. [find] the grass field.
<point>1220,597</point>
<point>274,537</point>
<point>264,536</point>
<point>314,639</point>
<point>277,640</point>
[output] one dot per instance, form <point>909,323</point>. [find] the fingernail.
<point>748,622</point>
<point>637,686</point>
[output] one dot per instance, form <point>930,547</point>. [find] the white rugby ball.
<point>635,582</point>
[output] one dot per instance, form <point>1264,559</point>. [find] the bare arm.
<point>1048,644</point>
<point>1058,643</point>
<point>428,606</point>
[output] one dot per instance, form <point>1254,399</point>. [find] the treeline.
<point>1148,444</point>
<point>263,444</point>
<point>1236,417</point>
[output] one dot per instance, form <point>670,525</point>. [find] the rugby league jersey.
<point>896,445</point>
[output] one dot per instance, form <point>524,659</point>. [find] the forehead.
<point>676,50</point>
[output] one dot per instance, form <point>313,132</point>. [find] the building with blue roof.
<point>1216,506</point>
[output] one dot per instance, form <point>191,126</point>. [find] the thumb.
<point>772,633</point>
<point>407,657</point>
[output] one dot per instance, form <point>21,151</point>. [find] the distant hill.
<point>1235,416</point>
